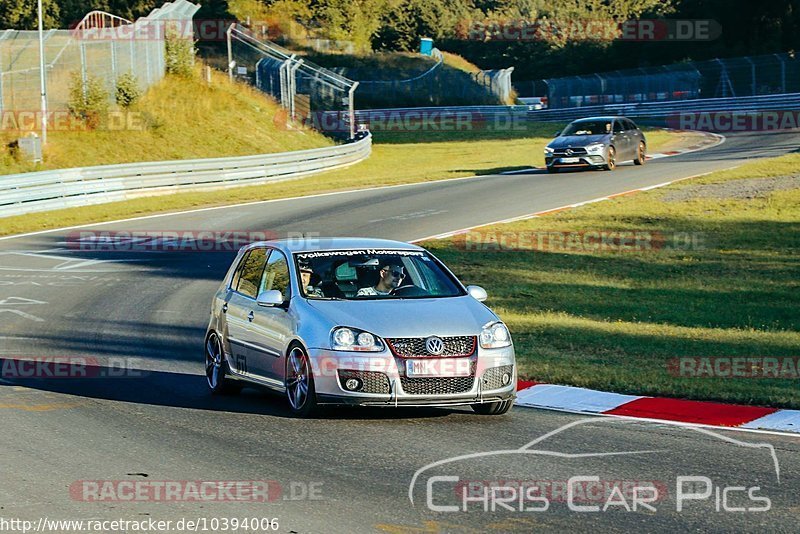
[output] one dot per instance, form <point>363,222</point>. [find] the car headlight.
<point>548,151</point>
<point>495,336</point>
<point>353,339</point>
<point>595,147</point>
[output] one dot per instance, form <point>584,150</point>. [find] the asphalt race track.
<point>351,470</point>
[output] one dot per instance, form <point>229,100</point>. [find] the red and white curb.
<point>589,401</point>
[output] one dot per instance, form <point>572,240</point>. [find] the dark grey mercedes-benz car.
<point>596,142</point>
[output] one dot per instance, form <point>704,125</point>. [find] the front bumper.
<point>385,376</point>
<point>585,160</point>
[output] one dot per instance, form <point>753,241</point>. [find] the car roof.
<point>313,244</point>
<point>603,118</point>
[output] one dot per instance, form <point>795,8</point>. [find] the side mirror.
<point>557,134</point>
<point>273,297</point>
<point>477,292</point>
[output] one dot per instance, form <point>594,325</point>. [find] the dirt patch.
<point>744,189</point>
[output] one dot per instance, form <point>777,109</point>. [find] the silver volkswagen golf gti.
<point>352,321</point>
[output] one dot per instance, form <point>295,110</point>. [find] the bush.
<point>89,102</point>
<point>128,90</point>
<point>179,54</point>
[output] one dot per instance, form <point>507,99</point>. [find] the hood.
<point>456,316</point>
<point>576,141</point>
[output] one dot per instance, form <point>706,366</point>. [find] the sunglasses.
<point>396,274</point>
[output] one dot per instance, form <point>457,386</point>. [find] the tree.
<point>23,14</point>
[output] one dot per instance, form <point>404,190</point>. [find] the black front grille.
<point>414,347</point>
<point>493,377</point>
<point>437,385</point>
<point>373,381</point>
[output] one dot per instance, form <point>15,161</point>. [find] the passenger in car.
<point>391,275</point>
<point>305,276</point>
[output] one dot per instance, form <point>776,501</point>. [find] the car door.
<point>636,136</point>
<point>271,327</point>
<point>621,141</point>
<point>238,313</point>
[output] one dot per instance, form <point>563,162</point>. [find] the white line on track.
<point>257,202</point>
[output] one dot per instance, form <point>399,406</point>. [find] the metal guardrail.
<point>670,108</point>
<point>66,188</point>
<point>40,191</point>
<point>643,109</point>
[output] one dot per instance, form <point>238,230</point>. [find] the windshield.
<point>373,274</point>
<point>588,128</point>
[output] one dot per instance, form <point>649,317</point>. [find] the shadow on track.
<point>183,390</point>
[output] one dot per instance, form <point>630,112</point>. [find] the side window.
<point>617,126</point>
<point>238,274</point>
<point>629,125</point>
<point>251,272</point>
<point>276,275</point>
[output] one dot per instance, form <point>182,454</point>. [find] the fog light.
<point>352,384</point>
<point>506,379</point>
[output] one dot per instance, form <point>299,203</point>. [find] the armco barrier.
<point>644,109</point>
<point>66,188</point>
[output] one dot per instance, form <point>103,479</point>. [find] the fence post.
<point>293,86</point>
<point>113,43</point>
<point>546,93</point>
<point>724,81</point>
<point>351,109</point>
<point>752,75</point>
<point>1,92</point>
<point>230,52</point>
<point>783,72</point>
<point>133,51</point>
<point>284,74</point>
<point>147,63</point>
<point>83,68</point>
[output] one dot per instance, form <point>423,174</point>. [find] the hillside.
<point>176,119</point>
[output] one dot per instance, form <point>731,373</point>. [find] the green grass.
<point>397,158</point>
<point>176,119</point>
<point>614,320</point>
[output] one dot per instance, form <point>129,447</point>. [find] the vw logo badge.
<point>568,152</point>
<point>434,345</point>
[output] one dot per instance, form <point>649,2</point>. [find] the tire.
<point>217,368</point>
<point>611,159</point>
<point>552,170</point>
<point>641,154</point>
<point>493,408</point>
<point>300,392</point>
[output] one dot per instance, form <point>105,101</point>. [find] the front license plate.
<point>570,160</point>
<point>438,367</point>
